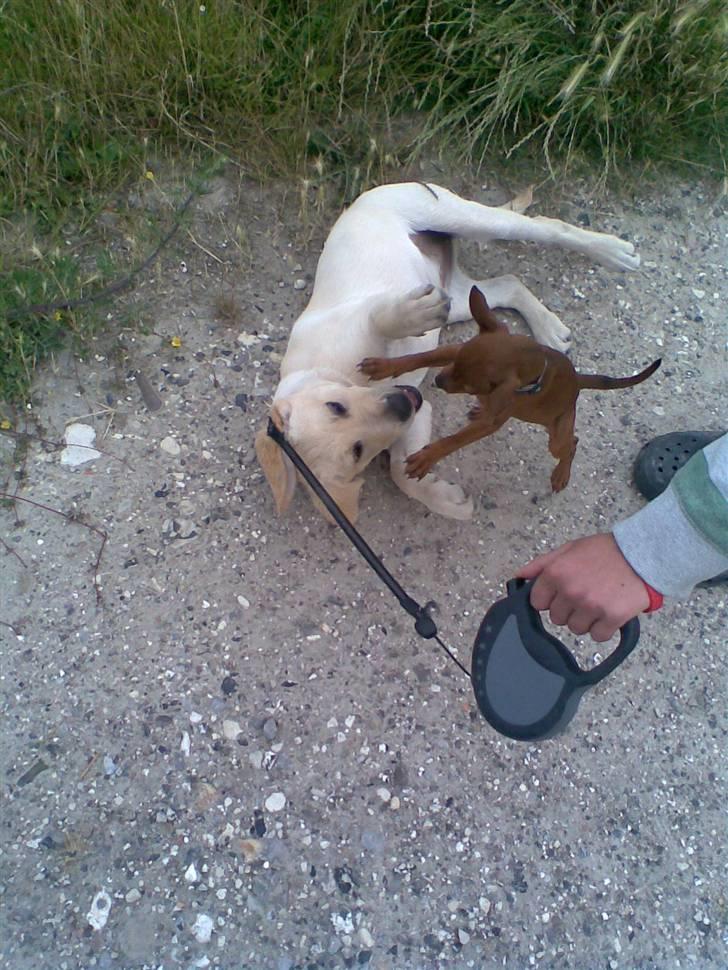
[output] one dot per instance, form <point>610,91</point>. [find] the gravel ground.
<point>241,756</point>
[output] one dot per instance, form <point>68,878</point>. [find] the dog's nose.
<point>403,401</point>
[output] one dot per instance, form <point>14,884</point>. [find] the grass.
<point>94,89</point>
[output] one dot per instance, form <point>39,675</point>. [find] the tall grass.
<point>87,83</point>
<point>92,89</point>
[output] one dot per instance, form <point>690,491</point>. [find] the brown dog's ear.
<point>345,496</point>
<point>277,466</point>
<point>482,313</point>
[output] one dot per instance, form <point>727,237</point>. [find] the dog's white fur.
<point>379,291</point>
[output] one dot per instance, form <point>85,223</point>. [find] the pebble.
<point>99,912</point>
<point>170,446</point>
<point>366,938</point>
<point>202,928</point>
<point>270,729</point>
<point>191,874</point>
<point>384,793</point>
<point>299,284</point>
<point>79,438</point>
<point>463,937</point>
<point>394,804</point>
<point>231,729</point>
<point>133,896</point>
<point>185,744</point>
<point>245,603</point>
<point>275,802</point>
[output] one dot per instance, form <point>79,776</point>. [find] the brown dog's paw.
<point>560,478</point>
<point>376,368</point>
<point>419,464</point>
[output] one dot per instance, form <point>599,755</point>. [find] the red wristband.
<point>656,599</point>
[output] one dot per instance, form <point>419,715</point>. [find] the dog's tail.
<point>599,382</point>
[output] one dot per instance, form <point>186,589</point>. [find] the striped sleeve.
<point>681,537</point>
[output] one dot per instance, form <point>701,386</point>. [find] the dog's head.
<point>459,377</point>
<point>337,430</point>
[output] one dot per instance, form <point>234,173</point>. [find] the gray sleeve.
<point>681,537</point>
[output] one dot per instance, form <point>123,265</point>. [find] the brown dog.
<point>512,377</point>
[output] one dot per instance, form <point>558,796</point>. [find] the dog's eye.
<point>338,409</point>
<point>357,450</point>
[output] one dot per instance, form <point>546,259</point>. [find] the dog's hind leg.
<point>562,445</point>
<point>510,293</point>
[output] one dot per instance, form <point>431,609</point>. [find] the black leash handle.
<point>424,624</point>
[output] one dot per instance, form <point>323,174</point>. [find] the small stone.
<point>384,793</point>
<point>195,718</point>
<point>299,284</point>
<point>484,904</point>
<point>251,849</point>
<point>170,446</point>
<point>231,729</point>
<point>99,912</point>
<point>463,937</point>
<point>394,804</point>
<point>270,729</point>
<point>133,896</point>
<point>256,759</point>
<point>202,928</point>
<point>191,874</point>
<point>275,802</point>
<point>245,603</point>
<point>79,439</point>
<point>185,744</point>
<point>365,937</point>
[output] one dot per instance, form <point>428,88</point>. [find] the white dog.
<point>387,280</point>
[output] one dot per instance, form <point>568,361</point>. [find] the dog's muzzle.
<point>403,402</point>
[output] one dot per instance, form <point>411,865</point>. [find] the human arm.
<point>595,584</point>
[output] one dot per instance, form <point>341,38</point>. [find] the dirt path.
<point>242,754</point>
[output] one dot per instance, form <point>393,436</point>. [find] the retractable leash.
<point>527,684</point>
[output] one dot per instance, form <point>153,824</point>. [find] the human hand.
<point>588,586</point>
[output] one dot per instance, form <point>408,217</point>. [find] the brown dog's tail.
<point>599,382</point>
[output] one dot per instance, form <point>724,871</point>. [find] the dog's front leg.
<point>424,308</point>
<point>445,498</point>
<point>380,368</point>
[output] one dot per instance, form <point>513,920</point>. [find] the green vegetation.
<point>92,90</point>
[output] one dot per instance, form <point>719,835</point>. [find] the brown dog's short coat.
<point>512,377</point>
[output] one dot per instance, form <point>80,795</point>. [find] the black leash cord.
<point>424,624</point>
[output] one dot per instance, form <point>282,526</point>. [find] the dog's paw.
<point>445,498</point>
<point>613,252</point>
<point>419,464</point>
<point>549,330</point>
<point>376,368</point>
<point>426,308</point>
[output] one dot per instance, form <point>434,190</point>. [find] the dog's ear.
<point>482,313</point>
<point>277,466</point>
<point>345,496</point>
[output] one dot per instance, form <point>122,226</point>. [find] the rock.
<point>170,446</point>
<point>270,729</point>
<point>275,802</point>
<point>191,874</point>
<point>299,285</point>
<point>202,928</point>
<point>79,438</point>
<point>133,896</point>
<point>463,937</point>
<point>231,729</point>
<point>185,744</point>
<point>99,912</point>
<point>384,793</point>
